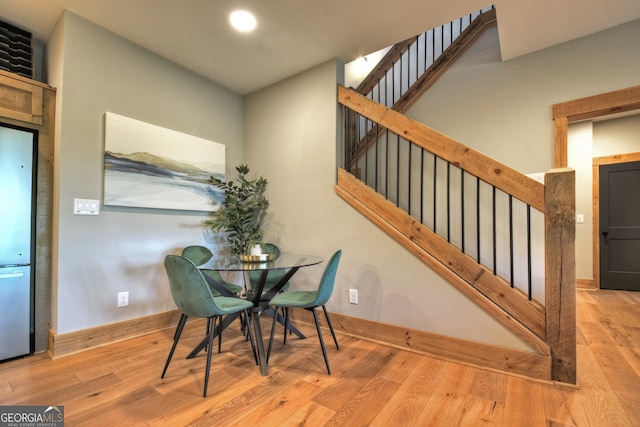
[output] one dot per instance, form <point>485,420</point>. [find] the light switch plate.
<point>86,207</point>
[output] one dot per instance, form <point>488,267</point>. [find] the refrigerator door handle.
<point>11,275</point>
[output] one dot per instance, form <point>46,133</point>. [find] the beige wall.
<point>616,136</point>
<point>290,139</point>
<point>580,154</point>
<point>122,249</point>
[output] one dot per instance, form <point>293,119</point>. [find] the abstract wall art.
<point>148,166</point>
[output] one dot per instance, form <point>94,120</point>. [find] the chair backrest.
<point>189,288</point>
<point>328,279</point>
<point>270,248</point>
<point>197,254</point>
<point>274,275</point>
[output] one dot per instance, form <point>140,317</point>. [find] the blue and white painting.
<point>148,166</point>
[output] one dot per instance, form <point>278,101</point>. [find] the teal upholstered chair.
<point>309,300</point>
<point>200,255</point>
<point>194,298</point>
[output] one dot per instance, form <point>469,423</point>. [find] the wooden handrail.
<point>512,182</point>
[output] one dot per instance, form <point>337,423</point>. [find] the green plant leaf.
<point>243,212</point>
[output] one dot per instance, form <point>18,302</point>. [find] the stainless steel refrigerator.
<point>17,221</point>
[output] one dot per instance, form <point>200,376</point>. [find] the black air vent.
<point>16,51</point>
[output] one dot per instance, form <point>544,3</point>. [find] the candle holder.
<point>257,258</point>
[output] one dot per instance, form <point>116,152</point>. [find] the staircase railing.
<point>411,66</point>
<point>479,223</point>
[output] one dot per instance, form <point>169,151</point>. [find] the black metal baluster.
<point>393,85</point>
<point>435,193</point>
<point>433,47</point>
<point>417,61</point>
<point>398,170</point>
<point>529,292</point>
<point>387,173</point>
<point>386,88</point>
<point>462,210</point>
<point>375,157</point>
<point>448,202</point>
<point>354,149</point>
<point>365,174</point>
<point>345,119</point>
<point>400,71</point>
<point>478,217</point>
<point>511,239</point>
<point>409,170</point>
<point>495,255</point>
<point>422,185</point>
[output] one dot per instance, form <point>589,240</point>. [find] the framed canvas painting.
<point>148,166</point>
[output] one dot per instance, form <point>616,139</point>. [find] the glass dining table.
<point>290,263</point>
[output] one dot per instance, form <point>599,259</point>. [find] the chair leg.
<point>176,337</point>
<point>326,315</point>
<point>182,316</point>
<point>250,335</point>
<point>208,367</point>
<point>209,328</point>
<point>286,323</point>
<point>273,329</point>
<point>219,332</point>
<point>324,350</point>
<point>242,322</point>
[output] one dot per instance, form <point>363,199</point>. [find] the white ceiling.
<point>294,35</point>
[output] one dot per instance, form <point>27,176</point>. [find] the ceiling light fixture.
<point>243,21</point>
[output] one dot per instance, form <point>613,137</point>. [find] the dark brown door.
<point>620,226</point>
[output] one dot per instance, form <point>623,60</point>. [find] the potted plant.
<point>243,212</point>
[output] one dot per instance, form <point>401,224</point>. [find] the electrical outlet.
<point>123,299</point>
<point>353,296</point>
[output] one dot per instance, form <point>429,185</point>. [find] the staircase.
<point>410,67</point>
<point>502,238</point>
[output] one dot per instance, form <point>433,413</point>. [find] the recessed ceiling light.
<point>243,21</point>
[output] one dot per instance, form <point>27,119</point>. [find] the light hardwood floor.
<point>371,384</point>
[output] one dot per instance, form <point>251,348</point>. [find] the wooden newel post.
<point>560,272</point>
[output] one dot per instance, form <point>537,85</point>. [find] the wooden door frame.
<point>591,107</point>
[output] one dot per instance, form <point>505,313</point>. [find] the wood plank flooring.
<point>370,385</point>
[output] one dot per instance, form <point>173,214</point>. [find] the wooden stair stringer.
<point>484,291</point>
